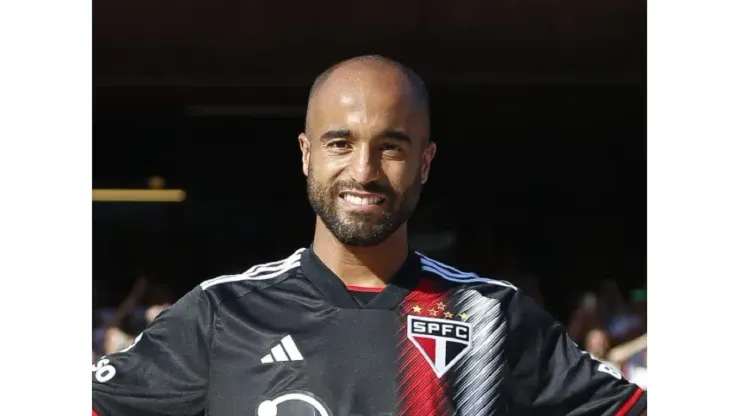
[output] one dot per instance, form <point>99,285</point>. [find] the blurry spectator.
<point>635,369</point>
<point>115,328</point>
<point>116,340</point>
<point>597,343</point>
<point>631,357</point>
<point>621,322</point>
<point>158,298</point>
<point>153,311</point>
<point>585,318</point>
<point>625,326</point>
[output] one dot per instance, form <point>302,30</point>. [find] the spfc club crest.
<point>442,342</point>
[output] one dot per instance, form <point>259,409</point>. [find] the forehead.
<point>364,100</point>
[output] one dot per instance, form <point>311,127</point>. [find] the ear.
<point>305,145</point>
<point>426,161</point>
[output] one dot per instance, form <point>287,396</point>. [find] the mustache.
<point>374,187</point>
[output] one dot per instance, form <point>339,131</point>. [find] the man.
<point>358,323</point>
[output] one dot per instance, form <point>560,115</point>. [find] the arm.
<point>165,371</point>
<point>550,375</point>
<point>621,353</point>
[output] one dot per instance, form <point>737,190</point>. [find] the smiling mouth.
<point>362,199</point>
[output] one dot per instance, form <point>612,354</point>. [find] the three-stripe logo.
<point>286,350</point>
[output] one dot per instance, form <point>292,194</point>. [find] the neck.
<point>361,266</point>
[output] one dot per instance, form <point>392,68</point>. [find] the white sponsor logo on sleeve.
<point>104,370</point>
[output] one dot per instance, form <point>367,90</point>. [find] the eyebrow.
<point>396,135</point>
<point>336,134</point>
<point>388,134</point>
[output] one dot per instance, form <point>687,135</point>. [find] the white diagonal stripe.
<point>260,271</point>
<point>479,372</point>
<point>463,279</point>
<point>440,264</point>
<point>258,267</point>
<point>240,277</point>
<point>291,348</point>
<point>440,270</point>
<point>279,353</point>
<point>453,272</point>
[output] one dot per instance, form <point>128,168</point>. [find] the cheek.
<point>401,176</point>
<point>322,176</point>
<point>327,166</point>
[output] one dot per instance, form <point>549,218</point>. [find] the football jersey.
<point>288,338</point>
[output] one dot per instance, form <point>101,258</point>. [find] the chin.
<point>362,219</point>
<point>350,233</point>
<point>362,241</point>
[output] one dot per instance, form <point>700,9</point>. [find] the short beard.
<point>361,230</point>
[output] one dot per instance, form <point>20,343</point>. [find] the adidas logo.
<point>286,350</point>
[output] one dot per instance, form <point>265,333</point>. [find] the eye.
<point>390,147</point>
<point>338,144</point>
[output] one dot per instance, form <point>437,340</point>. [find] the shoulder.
<point>466,280</point>
<point>256,277</point>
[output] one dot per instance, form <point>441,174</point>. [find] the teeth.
<point>356,200</point>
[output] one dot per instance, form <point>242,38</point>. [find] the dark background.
<point>538,108</point>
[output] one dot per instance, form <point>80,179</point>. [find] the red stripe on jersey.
<point>420,391</point>
<point>364,289</point>
<point>94,413</point>
<point>629,403</point>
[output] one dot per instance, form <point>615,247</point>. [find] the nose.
<point>364,167</point>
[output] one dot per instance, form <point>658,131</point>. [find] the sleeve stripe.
<point>629,403</point>
<point>94,413</point>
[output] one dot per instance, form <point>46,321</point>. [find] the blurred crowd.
<point>614,329</point>
<point>114,328</point>
<point>606,324</point>
<point>609,326</point>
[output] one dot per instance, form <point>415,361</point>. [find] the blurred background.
<point>538,109</point>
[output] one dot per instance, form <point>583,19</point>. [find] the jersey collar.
<point>404,281</point>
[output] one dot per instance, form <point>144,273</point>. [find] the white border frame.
<point>45,226</point>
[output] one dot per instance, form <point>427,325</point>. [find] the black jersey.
<point>289,339</point>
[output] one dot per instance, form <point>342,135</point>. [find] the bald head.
<point>366,151</point>
<point>374,74</point>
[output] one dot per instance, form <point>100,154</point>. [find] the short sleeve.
<point>165,371</point>
<point>551,376</point>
